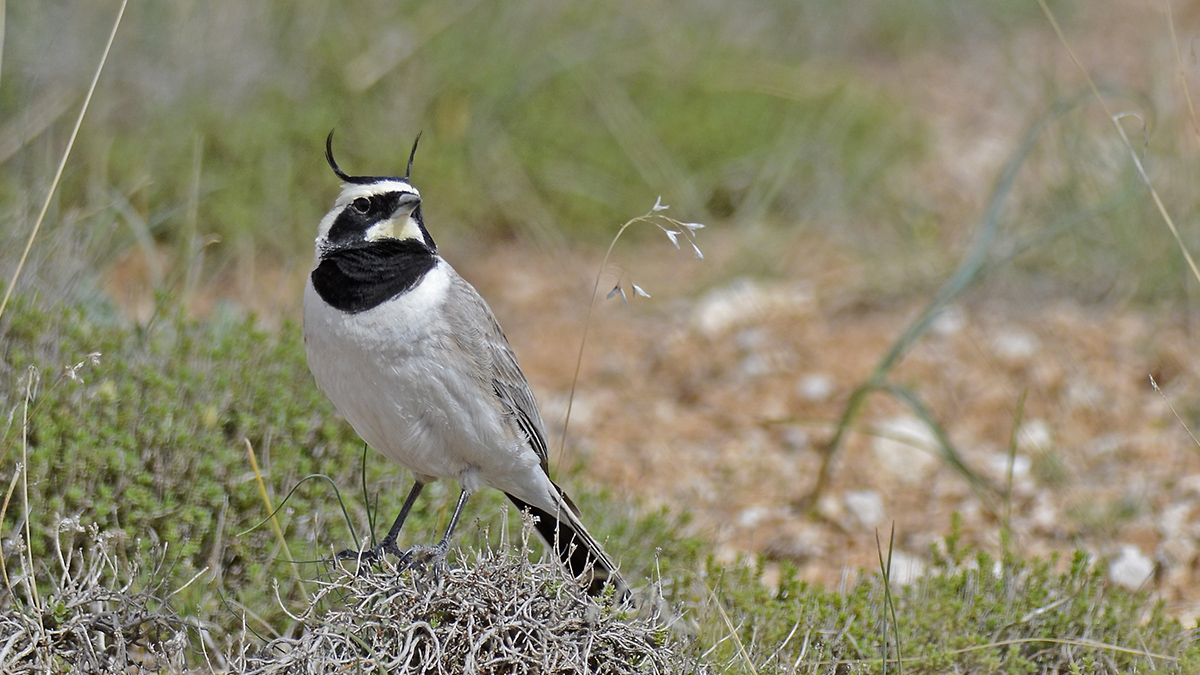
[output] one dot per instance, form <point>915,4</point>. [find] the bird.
<point>413,357</point>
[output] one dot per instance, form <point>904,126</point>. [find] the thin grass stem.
<point>1006,525</point>
<point>37,224</point>
<point>1116,121</point>
<point>1187,94</point>
<point>587,324</point>
<point>27,555</point>
<point>687,230</point>
<point>262,491</point>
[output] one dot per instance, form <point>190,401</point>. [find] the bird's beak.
<point>407,204</point>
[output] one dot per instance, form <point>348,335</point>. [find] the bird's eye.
<point>362,204</point>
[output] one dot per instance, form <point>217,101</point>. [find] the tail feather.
<point>579,551</point>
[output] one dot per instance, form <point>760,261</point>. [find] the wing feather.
<point>478,334</point>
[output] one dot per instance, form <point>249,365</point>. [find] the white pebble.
<point>795,439</point>
<point>1131,569</point>
<point>745,301</point>
<point>753,515</point>
<point>905,448</point>
<point>906,568</point>
<point>815,387</point>
<point>998,464</point>
<point>1035,435</point>
<point>949,321</point>
<point>865,506</point>
<point>1015,345</point>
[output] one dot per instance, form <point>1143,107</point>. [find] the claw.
<point>351,554</point>
<point>426,557</point>
<point>374,555</point>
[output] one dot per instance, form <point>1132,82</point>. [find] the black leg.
<point>444,544</point>
<point>393,534</point>
<point>388,545</point>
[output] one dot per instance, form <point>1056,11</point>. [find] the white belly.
<point>407,390</point>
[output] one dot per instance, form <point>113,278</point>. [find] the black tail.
<point>578,551</point>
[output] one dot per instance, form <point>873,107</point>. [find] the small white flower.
<point>658,205</point>
<point>671,234</point>
<point>72,372</point>
<point>699,255</point>
<point>692,227</point>
<point>611,294</point>
<point>637,290</point>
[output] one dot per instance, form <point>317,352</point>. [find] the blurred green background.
<point>555,122</point>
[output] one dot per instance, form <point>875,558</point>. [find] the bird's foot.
<point>425,557</point>
<point>374,555</point>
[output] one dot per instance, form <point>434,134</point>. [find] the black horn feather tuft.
<point>332,162</point>
<point>361,180</point>
<point>411,155</point>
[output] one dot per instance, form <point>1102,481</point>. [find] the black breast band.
<point>363,277</point>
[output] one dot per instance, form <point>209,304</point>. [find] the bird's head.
<point>372,209</point>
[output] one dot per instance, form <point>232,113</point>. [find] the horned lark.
<point>412,356</point>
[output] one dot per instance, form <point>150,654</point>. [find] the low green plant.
<point>969,613</point>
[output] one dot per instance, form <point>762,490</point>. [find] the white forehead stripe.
<point>352,191</point>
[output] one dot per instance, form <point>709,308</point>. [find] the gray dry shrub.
<point>98,613</point>
<point>501,613</point>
